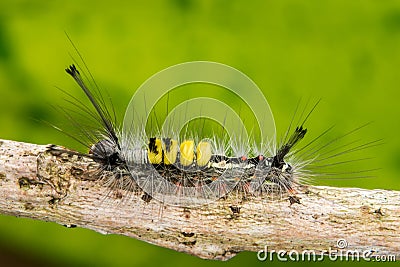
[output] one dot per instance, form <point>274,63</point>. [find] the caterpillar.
<point>189,172</point>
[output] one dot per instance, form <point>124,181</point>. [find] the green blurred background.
<point>345,52</point>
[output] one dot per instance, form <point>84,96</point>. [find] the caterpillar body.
<point>195,172</point>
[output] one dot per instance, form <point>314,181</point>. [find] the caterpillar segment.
<point>155,152</point>
<point>187,153</point>
<point>170,150</point>
<point>203,153</point>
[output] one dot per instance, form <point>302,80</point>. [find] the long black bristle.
<point>110,128</point>
<point>298,134</point>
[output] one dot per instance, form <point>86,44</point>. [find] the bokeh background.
<point>345,52</point>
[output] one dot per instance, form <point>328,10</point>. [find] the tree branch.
<point>38,183</point>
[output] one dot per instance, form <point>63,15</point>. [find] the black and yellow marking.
<point>167,151</point>
<point>155,153</point>
<point>170,150</point>
<point>203,153</point>
<point>186,152</point>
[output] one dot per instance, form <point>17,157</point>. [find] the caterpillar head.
<point>107,152</point>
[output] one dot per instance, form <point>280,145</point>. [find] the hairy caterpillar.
<point>192,171</point>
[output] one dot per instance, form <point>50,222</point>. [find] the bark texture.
<point>39,183</point>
